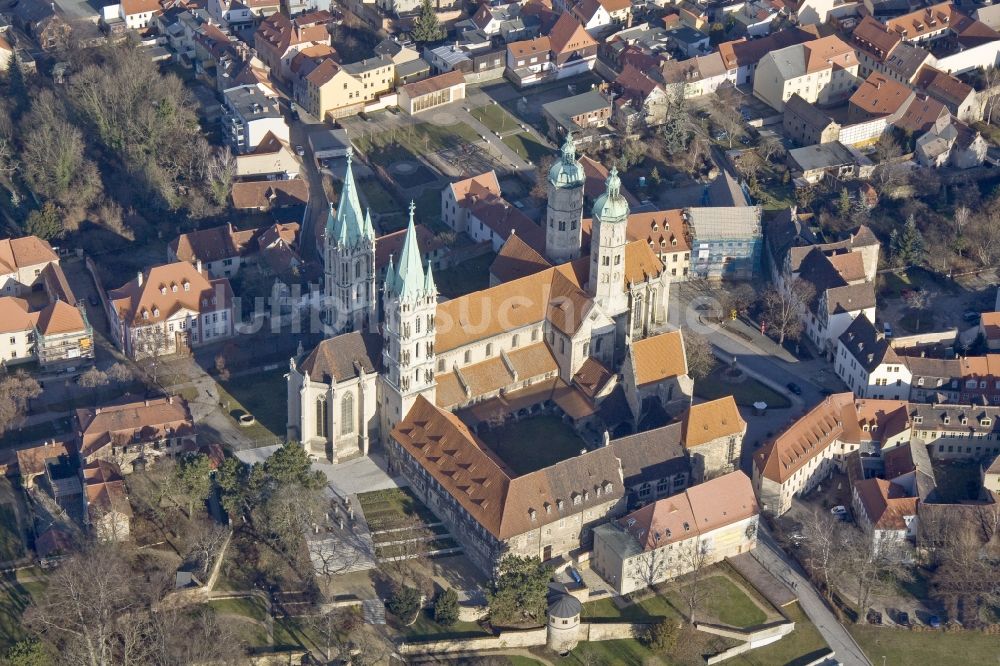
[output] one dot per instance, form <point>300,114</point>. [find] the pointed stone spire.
<point>390,277</point>
<point>346,225</point>
<point>430,287</point>
<point>367,230</point>
<point>410,276</point>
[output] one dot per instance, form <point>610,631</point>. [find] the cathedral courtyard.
<point>535,443</point>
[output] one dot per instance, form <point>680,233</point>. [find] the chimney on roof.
<point>197,265</point>
<point>605,438</point>
<point>138,278</point>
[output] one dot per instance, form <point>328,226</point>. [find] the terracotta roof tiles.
<point>658,357</point>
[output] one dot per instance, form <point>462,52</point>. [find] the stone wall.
<point>751,639</point>
<point>597,631</point>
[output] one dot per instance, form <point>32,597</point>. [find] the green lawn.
<point>649,609</point>
<point>527,146</point>
<point>426,629</point>
<point>534,443</point>
<point>263,395</point>
<point>11,543</point>
<point>957,481</point>
<point>727,603</point>
<point>901,647</point>
<point>249,607</point>
<point>376,197</point>
<point>420,138</point>
<point>393,508</point>
<point>747,392</point>
<point>14,600</point>
<point>495,118</point>
<point>429,207</point>
<point>466,277</point>
<point>802,646</point>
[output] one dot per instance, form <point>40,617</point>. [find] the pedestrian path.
<point>373,611</point>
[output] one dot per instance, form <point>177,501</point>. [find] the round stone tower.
<point>563,630</point>
<point>564,213</point>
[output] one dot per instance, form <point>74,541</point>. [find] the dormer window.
<point>532,515</point>
<point>163,289</point>
<point>156,312</point>
<point>607,487</point>
<point>145,314</point>
<point>985,422</point>
<point>560,504</point>
<point>965,421</point>
<point>918,419</point>
<point>947,419</point>
<point>173,288</point>
<point>576,498</point>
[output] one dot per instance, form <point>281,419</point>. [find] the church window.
<point>357,269</point>
<point>321,417</point>
<point>513,341</point>
<point>440,365</point>
<point>618,259</point>
<point>347,414</point>
<point>468,356</point>
<point>562,225</point>
<point>572,225</point>
<point>606,261</point>
<point>416,325</point>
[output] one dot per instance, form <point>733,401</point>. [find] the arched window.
<point>347,414</point>
<point>321,417</point>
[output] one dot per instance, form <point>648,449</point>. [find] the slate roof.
<point>866,346</point>
<point>651,455</point>
<point>343,357</point>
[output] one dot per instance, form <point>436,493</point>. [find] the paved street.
<point>772,558</point>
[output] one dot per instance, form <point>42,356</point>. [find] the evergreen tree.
<point>844,203</point>
<point>290,464</point>
<point>194,481</point>
<point>675,130</point>
<point>427,28</point>
<point>446,608</point>
<point>907,246</point>
<point>44,223</point>
<point>517,593</point>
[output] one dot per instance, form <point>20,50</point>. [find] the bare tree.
<point>204,542</point>
<point>334,628</point>
<point>700,358</point>
<point>220,172</point>
<point>8,163</point>
<point>737,300</point>
<point>984,238</point>
<point>917,302</point>
<point>16,391</point>
<point>822,537</point>
<point>991,76</point>
<point>120,373</point>
<point>93,378</point>
<point>874,566</point>
<point>694,559</point>
<point>888,171</point>
<point>651,568</point>
<point>770,146</point>
<point>784,308</point>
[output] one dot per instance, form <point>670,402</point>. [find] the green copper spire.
<point>611,206</point>
<point>429,287</point>
<point>567,171</point>
<point>409,282</point>
<point>367,230</point>
<point>347,224</point>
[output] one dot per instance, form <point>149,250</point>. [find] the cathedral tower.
<point>349,262</point>
<point>410,306</point>
<point>564,212</point>
<point>607,248</point>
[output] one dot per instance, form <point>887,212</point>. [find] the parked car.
<point>794,388</point>
<point>887,329</point>
<point>874,617</point>
<point>300,151</point>
<point>902,618</point>
<point>934,622</point>
<point>970,316</point>
<point>840,511</point>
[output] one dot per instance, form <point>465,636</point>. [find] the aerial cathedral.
<point>540,330</point>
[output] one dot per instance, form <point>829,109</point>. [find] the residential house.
<point>577,116</point>
<point>136,433</point>
<point>991,476</point>
<point>41,22</point>
<point>62,335</point>
<point>713,434</point>
<point>667,235</point>
<point>688,41</point>
<point>726,243</point>
<point>959,98</point>
<point>237,14</point>
<point>478,62</point>
<point>566,51</point>
<point>967,431</point>
<point>655,377</point>
<point>458,197</point>
<point>272,158</point>
<point>823,71</point>
<point>868,364</point>
<point>170,309</point>
<point>223,250</point>
<point>694,77</point>
<point>811,164</point>
<point>886,511</point>
<point>22,262</point>
<point>263,195</point>
<point>279,38</point>
<point>742,56</point>
<point>139,14</point>
<point>878,96</point>
<point>331,397</point>
<point>807,124</point>
<point>599,17</point>
<point>431,93</point>
<point>488,508</point>
<point>989,328</point>
<point>840,292</point>
<point>107,510</point>
<point>249,117</point>
<point>335,91</point>
<point>935,380</point>
<point>960,43</point>
<point>951,143</point>
<point>883,50</point>
<point>810,449</point>
<point>494,219</point>
<point>654,464</point>
<point>755,18</point>
<point>673,536</point>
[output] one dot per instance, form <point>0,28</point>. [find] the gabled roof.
<point>212,244</point>
<point>270,193</point>
<point>14,315</point>
<point>943,87</point>
<point>921,115</point>
<point>663,230</point>
<point>505,219</point>
<point>868,348</point>
<point>104,487</point>
<point>147,420</point>
<point>885,504</point>
<point>517,259</point>
<point>530,47</point>
<point>59,318</point>
<point>651,455</point>
<point>23,252</point>
<point>502,503</point>
<point>698,510</point>
<point>343,357</point>
<point>568,35</point>
<point>878,95</point>
<point>875,37</point>
<point>834,418</point>
<point>743,52</point>
<point>469,190</point>
<point>708,421</point>
<point>434,84</point>
<point>167,289</point>
<point>658,357</point>
<point>133,7</point>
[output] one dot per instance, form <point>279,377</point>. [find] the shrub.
<point>446,608</point>
<point>405,604</point>
<point>662,636</point>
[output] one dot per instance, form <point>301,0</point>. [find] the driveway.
<point>772,558</point>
